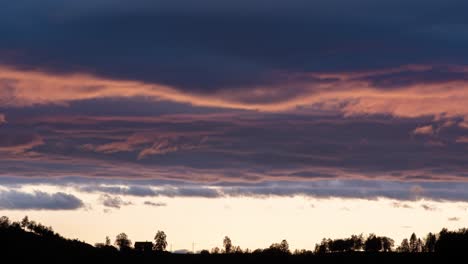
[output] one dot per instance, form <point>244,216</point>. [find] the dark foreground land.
<point>18,245</point>
<point>24,247</point>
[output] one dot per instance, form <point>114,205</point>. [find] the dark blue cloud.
<point>369,189</point>
<point>17,200</point>
<point>212,45</point>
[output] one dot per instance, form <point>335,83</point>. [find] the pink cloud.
<point>463,139</point>
<point>166,146</point>
<point>349,93</point>
<point>2,119</point>
<point>19,144</point>
<point>463,124</point>
<point>424,130</point>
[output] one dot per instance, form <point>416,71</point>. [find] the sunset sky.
<point>260,120</point>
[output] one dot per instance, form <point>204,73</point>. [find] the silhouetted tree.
<point>404,246</point>
<point>430,243</point>
<point>340,245</point>
<point>4,222</point>
<point>415,243</point>
<point>452,241</point>
<point>257,251</point>
<point>108,242</point>
<point>303,252</point>
<point>227,245</point>
<point>358,242</point>
<point>123,242</point>
<point>25,222</point>
<point>42,230</point>
<point>387,244</point>
<point>278,248</point>
<point>237,250</point>
<point>215,250</point>
<point>373,244</point>
<point>31,225</point>
<point>15,225</point>
<point>204,252</point>
<point>160,242</point>
<point>284,246</point>
<point>323,247</point>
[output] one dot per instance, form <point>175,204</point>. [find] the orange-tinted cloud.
<point>347,93</point>
<point>20,143</point>
<point>2,119</point>
<point>424,130</point>
<point>463,124</point>
<point>463,139</point>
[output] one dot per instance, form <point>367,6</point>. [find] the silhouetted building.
<point>143,246</point>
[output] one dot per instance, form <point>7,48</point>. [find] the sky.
<point>289,120</point>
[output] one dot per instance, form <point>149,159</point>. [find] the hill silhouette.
<point>27,241</point>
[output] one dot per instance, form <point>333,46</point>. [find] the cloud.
<point>17,200</point>
<point>345,93</point>
<point>167,146</point>
<point>2,119</point>
<point>463,124</point>
<point>158,204</point>
<point>462,139</point>
<point>454,219</point>
<point>424,130</point>
<point>113,201</point>
<point>18,142</point>
<point>141,191</point>
<point>270,97</point>
<point>289,37</point>
<point>429,207</point>
<point>200,191</point>
<point>218,68</point>
<point>370,189</point>
<point>401,205</point>
<point>248,147</point>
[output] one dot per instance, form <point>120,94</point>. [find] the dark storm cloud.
<point>215,44</point>
<point>18,200</point>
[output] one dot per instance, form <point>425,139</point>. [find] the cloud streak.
<point>17,200</point>
<point>158,204</point>
<point>345,94</point>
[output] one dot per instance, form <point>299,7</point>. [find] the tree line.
<point>444,241</point>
